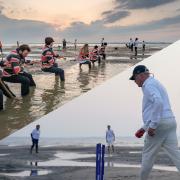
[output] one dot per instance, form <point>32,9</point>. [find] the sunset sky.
<point>89,21</point>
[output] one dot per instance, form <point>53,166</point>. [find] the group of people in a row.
<point>12,68</point>
<point>133,45</point>
<point>90,57</point>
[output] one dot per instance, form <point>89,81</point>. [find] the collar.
<point>147,81</point>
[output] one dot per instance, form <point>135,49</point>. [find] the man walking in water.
<point>136,42</point>
<point>110,138</point>
<point>35,138</point>
<point>159,121</point>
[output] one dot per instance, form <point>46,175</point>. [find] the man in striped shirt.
<point>13,69</point>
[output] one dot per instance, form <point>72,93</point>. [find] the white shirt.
<point>35,134</point>
<point>110,135</point>
<point>156,105</point>
<point>136,43</point>
<point>131,42</point>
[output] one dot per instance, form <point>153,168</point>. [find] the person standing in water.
<point>102,41</point>
<point>136,42</point>
<point>159,121</point>
<point>75,44</point>
<point>102,50</point>
<point>35,138</point>
<point>64,44</point>
<point>48,59</point>
<point>143,47</point>
<point>110,139</point>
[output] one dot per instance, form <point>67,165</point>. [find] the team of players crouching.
<point>12,68</point>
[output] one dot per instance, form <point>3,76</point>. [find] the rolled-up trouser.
<point>165,137</point>
<point>55,69</point>
<point>24,78</point>
<point>85,62</point>
<point>1,100</point>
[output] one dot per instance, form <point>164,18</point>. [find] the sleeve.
<point>155,98</point>
<point>14,64</point>
<point>145,126</point>
<point>113,135</point>
<point>54,54</point>
<point>32,134</point>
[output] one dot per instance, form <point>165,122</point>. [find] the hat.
<point>49,40</point>
<point>138,70</point>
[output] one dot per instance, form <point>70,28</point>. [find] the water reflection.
<point>26,173</point>
<point>34,171</point>
<point>50,93</point>
<point>109,162</point>
<point>73,159</point>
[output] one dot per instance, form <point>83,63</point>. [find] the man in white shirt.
<point>35,138</point>
<point>159,121</point>
<point>131,44</point>
<point>110,138</point>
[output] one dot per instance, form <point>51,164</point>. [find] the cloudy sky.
<point>89,21</point>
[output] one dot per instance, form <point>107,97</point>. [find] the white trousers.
<point>165,137</point>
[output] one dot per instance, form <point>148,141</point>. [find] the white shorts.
<point>110,142</point>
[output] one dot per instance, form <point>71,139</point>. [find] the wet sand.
<point>18,159</point>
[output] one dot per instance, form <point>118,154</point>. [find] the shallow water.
<point>51,94</point>
<point>71,159</point>
<point>33,172</point>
